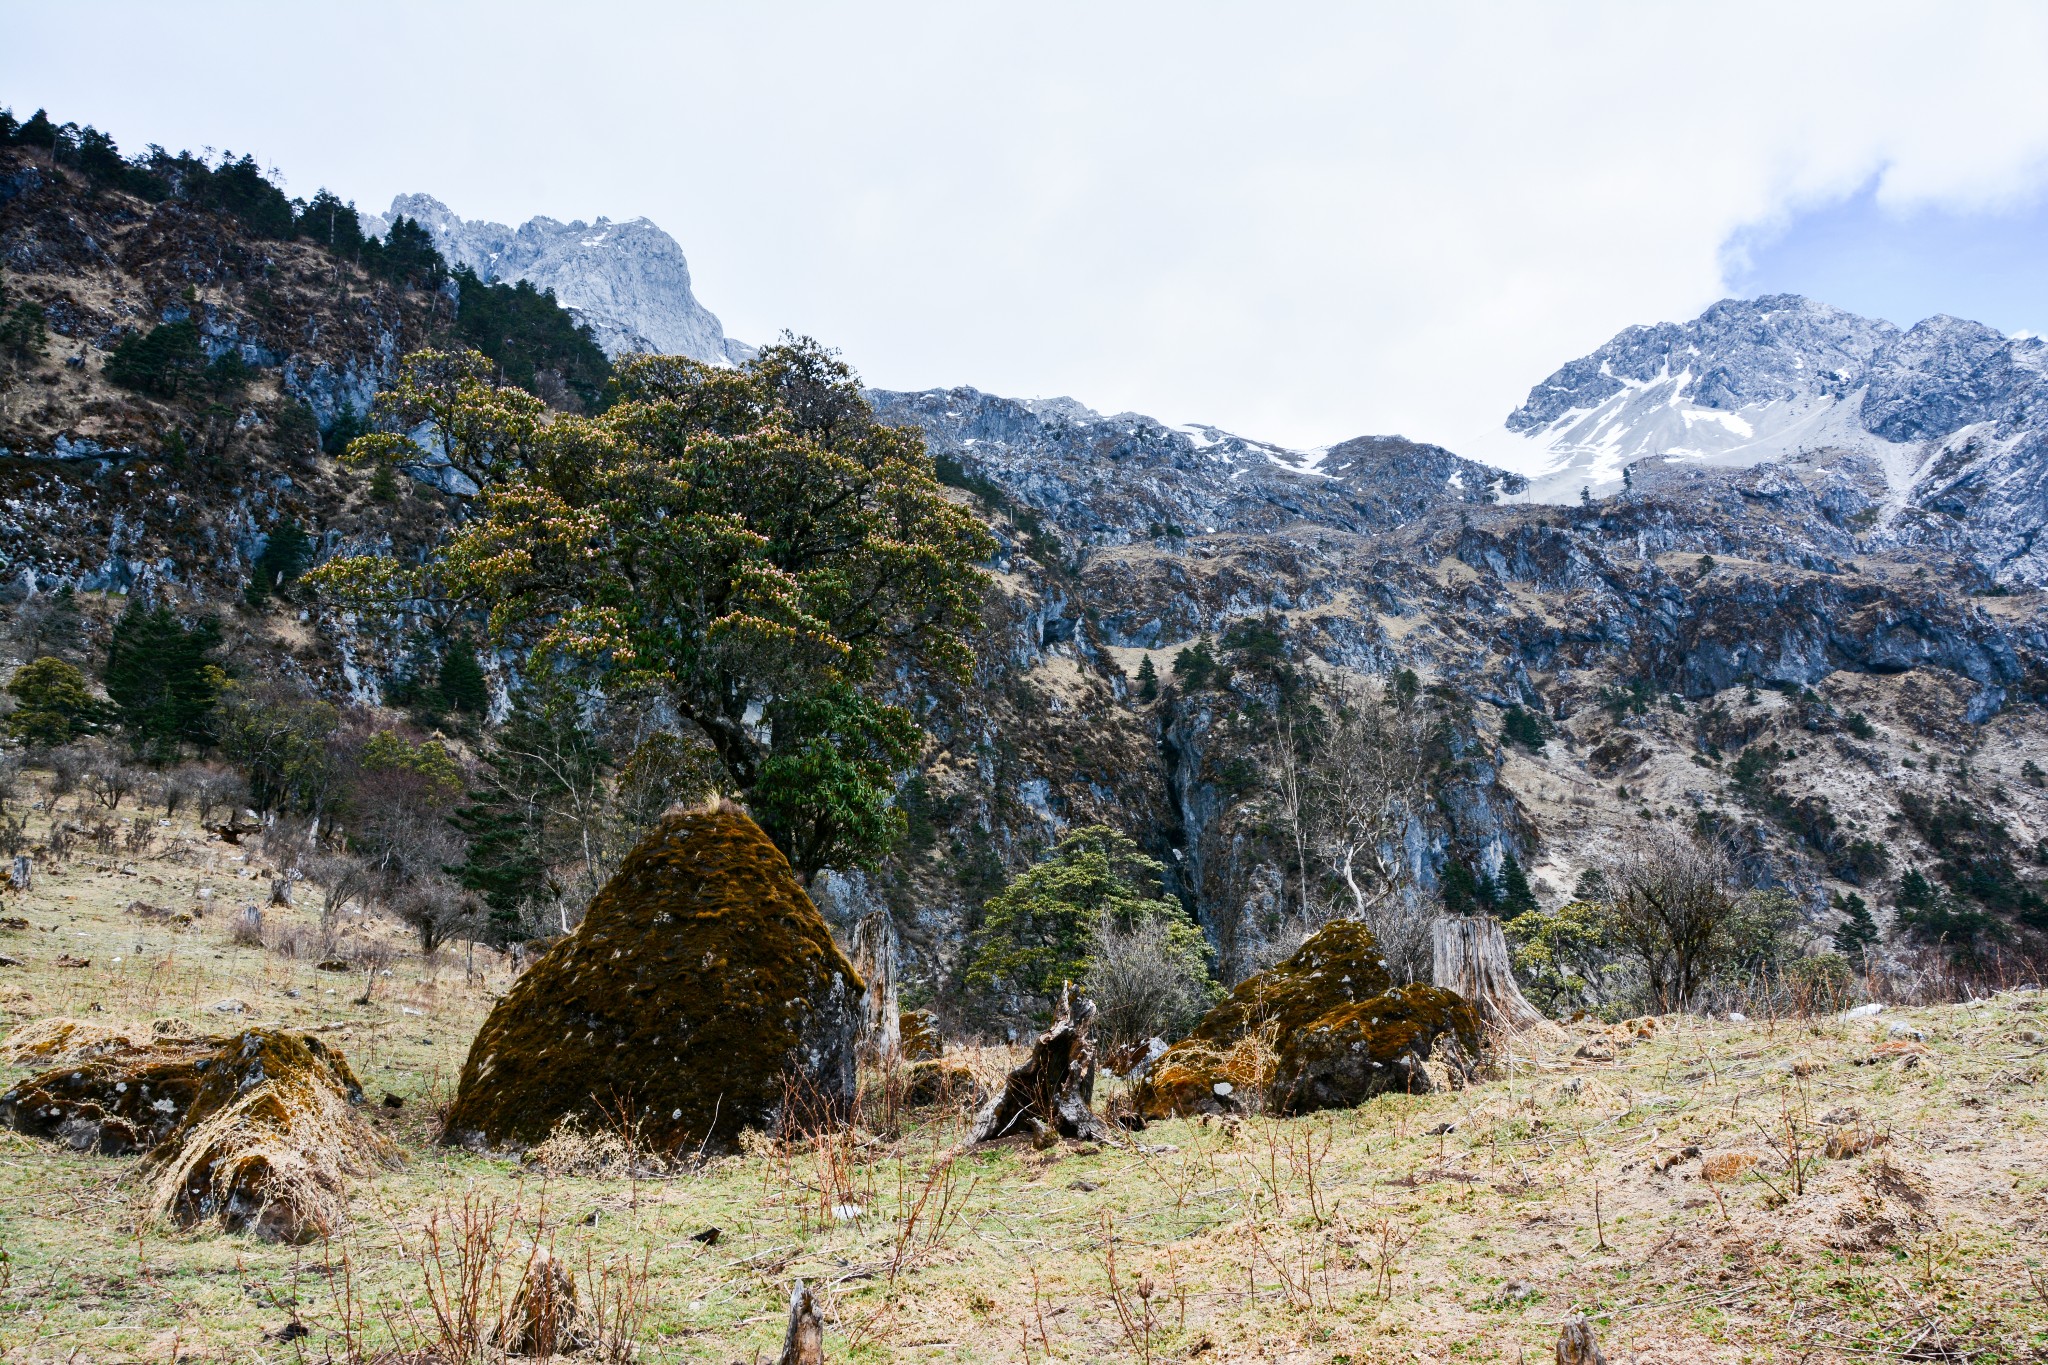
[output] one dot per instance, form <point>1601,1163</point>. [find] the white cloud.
<point>1302,222</point>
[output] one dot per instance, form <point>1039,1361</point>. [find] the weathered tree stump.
<point>1052,1090</point>
<point>542,1318</point>
<point>1576,1344</point>
<point>804,1342</point>
<point>874,956</point>
<point>22,874</point>
<point>1472,959</point>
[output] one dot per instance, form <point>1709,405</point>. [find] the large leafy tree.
<point>748,543</point>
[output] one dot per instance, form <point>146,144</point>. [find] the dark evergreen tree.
<point>463,687</point>
<point>286,553</point>
<point>1523,728</point>
<point>1148,680</point>
<point>1195,667</point>
<point>162,679</point>
<point>333,224</point>
<point>1514,896</point>
<point>346,426</point>
<point>406,256</point>
<point>162,362</point>
<point>528,334</point>
<point>1858,929</point>
<point>540,755</point>
<point>1467,892</point>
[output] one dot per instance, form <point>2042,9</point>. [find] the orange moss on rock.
<point>1327,1028</point>
<point>701,990</point>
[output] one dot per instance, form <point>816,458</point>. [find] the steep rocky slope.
<point>629,282</point>
<point>1865,644</point>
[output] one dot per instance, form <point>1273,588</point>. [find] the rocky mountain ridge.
<point>628,282</point>
<point>1657,632</point>
<point>1948,409</point>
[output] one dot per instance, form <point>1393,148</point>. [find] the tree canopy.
<point>748,543</point>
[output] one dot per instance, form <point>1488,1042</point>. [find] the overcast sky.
<point>1301,222</point>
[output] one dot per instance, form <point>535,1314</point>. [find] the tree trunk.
<point>1472,959</point>
<point>874,957</point>
<point>804,1342</point>
<point>1576,1344</point>
<point>1051,1091</point>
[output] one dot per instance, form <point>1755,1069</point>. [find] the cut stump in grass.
<point>1052,1091</point>
<point>1472,959</point>
<point>1576,1344</point>
<point>804,1341</point>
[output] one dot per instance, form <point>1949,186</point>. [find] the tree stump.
<point>1576,1344</point>
<point>1052,1090</point>
<point>542,1318</point>
<point>804,1342</point>
<point>1472,959</point>
<point>874,956</point>
<point>22,876</point>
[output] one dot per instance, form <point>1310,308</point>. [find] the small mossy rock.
<point>936,1081</point>
<point>917,1035</point>
<point>701,992</point>
<point>1304,1032</point>
<point>1357,1051</point>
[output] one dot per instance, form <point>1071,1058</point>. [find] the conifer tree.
<point>161,678</point>
<point>1148,680</point>
<point>1858,930</point>
<point>462,680</point>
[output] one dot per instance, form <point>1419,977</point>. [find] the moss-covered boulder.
<point>1325,1029</point>
<point>701,995</point>
<point>256,1131</point>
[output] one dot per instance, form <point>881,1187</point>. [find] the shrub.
<point>1524,728</point>
<point>53,705</point>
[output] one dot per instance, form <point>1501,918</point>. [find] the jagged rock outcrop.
<point>629,282</point>
<point>701,995</point>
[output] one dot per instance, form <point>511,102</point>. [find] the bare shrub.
<point>1367,784</point>
<point>342,878</point>
<point>247,931</point>
<point>1141,986</point>
<point>67,764</point>
<point>218,789</point>
<point>108,778</point>
<point>174,790</point>
<point>436,908</point>
<point>1670,902</point>
<point>10,779</point>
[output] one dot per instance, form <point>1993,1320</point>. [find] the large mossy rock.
<point>701,995</point>
<point>256,1131</point>
<point>1325,1029</point>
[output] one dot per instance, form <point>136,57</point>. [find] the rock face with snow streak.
<point>629,282</point>
<point>1115,480</point>
<point>1948,408</point>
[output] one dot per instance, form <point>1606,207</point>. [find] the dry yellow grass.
<point>1459,1226</point>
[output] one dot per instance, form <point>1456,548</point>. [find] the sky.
<point>1301,222</point>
